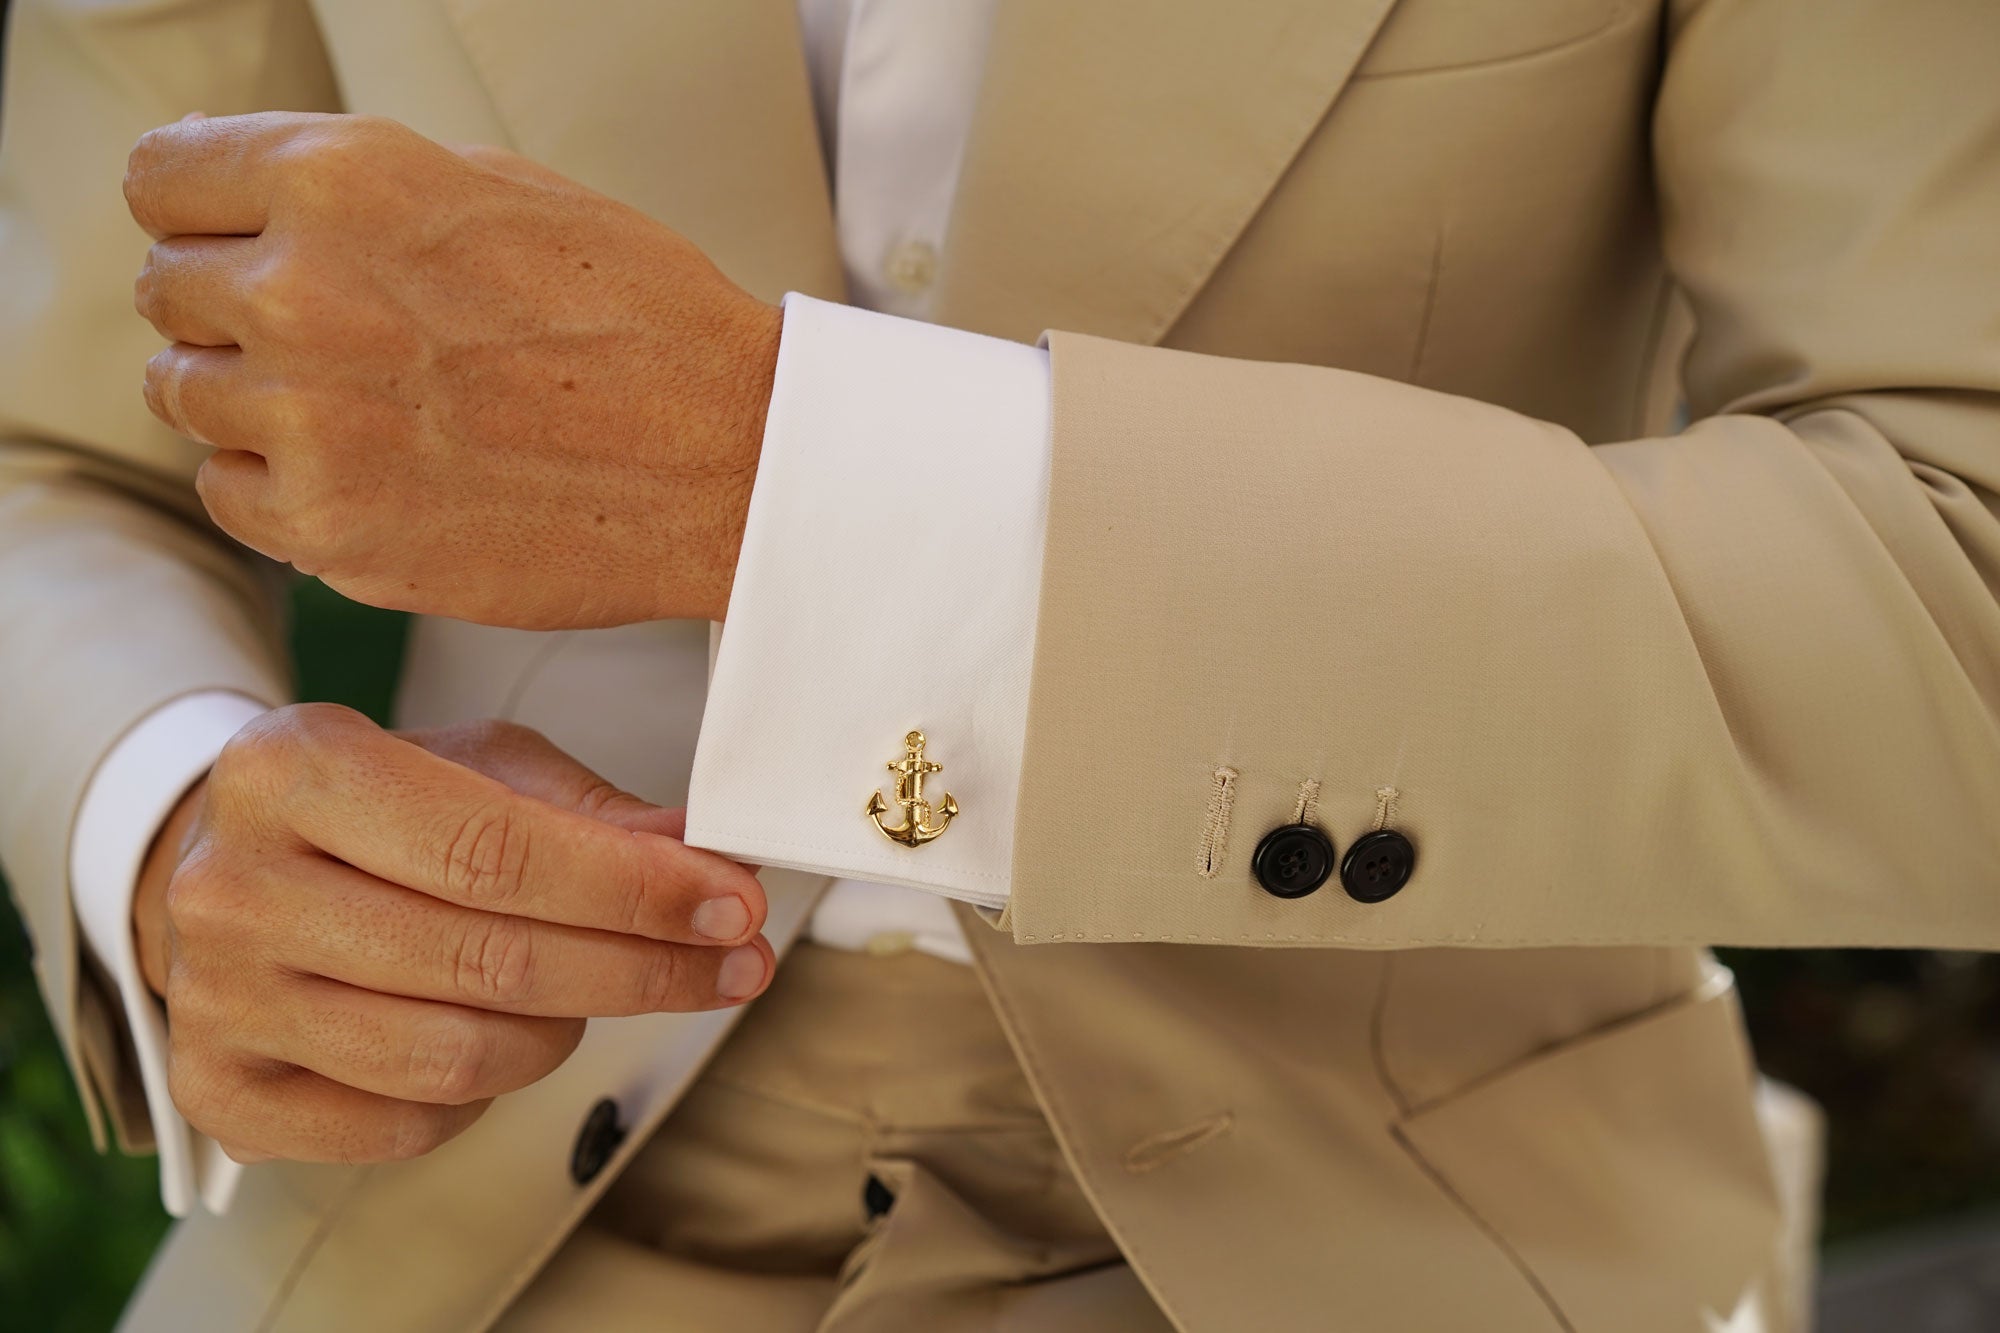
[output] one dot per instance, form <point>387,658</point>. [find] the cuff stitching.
<point>849,860</point>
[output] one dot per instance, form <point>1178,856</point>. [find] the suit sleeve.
<point>1738,684</point>
<point>115,594</point>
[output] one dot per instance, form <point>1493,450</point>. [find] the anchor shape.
<point>917,827</point>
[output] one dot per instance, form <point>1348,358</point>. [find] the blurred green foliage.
<point>76,1228</point>
<point>1902,1049</point>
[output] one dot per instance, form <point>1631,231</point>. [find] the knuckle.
<point>486,156</point>
<point>261,755</point>
<point>211,488</point>
<point>149,381</point>
<point>154,288</point>
<point>203,898</point>
<point>601,797</point>
<point>249,761</point>
<point>466,743</point>
<point>331,161</point>
<point>145,288</point>
<point>498,733</point>
<point>188,899</point>
<point>204,1092</point>
<point>315,532</point>
<point>495,961</point>
<point>322,152</point>
<point>448,1061</point>
<point>266,763</point>
<point>486,856</point>
<point>275,300</point>
<point>190,1093</point>
<point>321,727</point>
<point>380,130</point>
<point>191,1004</point>
<point>166,385</point>
<point>139,170</point>
<point>143,150</point>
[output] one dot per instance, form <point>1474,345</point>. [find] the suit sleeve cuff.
<point>888,582</point>
<point>130,796</point>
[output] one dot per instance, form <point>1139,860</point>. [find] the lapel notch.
<point>1122,145</point>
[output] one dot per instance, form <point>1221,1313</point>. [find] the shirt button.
<point>876,1198</point>
<point>886,942</point>
<point>596,1143</point>
<point>911,267</point>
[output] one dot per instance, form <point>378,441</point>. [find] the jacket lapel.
<point>698,114</point>
<point>1122,145</point>
<point>1119,149</point>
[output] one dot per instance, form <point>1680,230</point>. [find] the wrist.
<point>743,402</point>
<point>149,899</point>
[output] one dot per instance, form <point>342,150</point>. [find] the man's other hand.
<point>449,382</point>
<point>362,938</point>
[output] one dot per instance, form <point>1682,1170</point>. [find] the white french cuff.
<point>888,582</point>
<point>133,791</point>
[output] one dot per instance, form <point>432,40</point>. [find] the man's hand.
<point>449,382</point>
<point>362,939</point>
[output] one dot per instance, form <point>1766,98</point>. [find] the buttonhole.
<point>1215,824</point>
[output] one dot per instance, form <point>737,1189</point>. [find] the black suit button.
<point>596,1143</point>
<point>1293,860</point>
<point>1377,865</point>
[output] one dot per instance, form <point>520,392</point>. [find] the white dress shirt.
<point>130,796</point>
<point>894,83</point>
<point>888,580</point>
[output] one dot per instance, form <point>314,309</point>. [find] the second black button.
<point>1377,866</point>
<point>597,1142</point>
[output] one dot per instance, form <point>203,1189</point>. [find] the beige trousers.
<point>752,1208</point>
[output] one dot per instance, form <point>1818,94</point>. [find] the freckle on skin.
<point>569,384</point>
<point>600,518</point>
<point>586,263</point>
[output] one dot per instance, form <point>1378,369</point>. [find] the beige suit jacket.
<point>1363,476</point>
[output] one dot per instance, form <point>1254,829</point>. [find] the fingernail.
<point>741,973</point>
<point>721,918</point>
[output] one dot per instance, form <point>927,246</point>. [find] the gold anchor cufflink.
<point>918,826</point>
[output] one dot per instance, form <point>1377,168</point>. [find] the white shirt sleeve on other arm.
<point>130,796</point>
<point>889,581</point>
